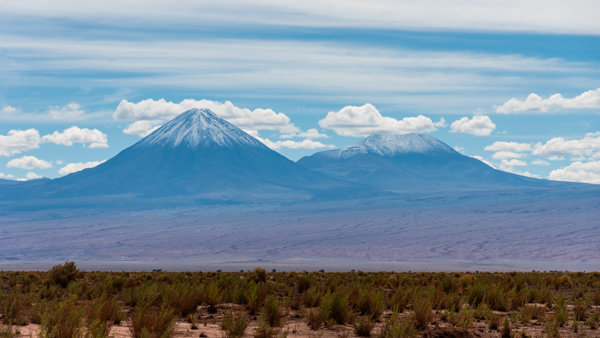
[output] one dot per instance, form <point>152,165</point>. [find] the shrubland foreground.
<point>66,302</point>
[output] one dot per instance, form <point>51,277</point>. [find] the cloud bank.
<point>93,137</point>
<point>535,103</point>
<point>588,172</point>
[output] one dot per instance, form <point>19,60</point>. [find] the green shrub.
<point>395,327</point>
<point>528,312</point>
<point>270,313</point>
<point>234,325</point>
<point>476,294</point>
<point>423,314</point>
<point>363,327</point>
<point>496,299</point>
<point>63,274</point>
<point>506,331</point>
<point>593,319</point>
<point>560,310</point>
<point>61,319</point>
<point>13,306</point>
<point>551,328</point>
<point>370,303</point>
<point>152,322</point>
<point>183,298</point>
<point>264,330</point>
<point>334,307</point>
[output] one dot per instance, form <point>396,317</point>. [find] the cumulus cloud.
<point>162,110</point>
<point>478,125</point>
<point>7,176</point>
<point>17,141</point>
<point>303,144</point>
<point>143,128</point>
<point>367,120</point>
<point>558,147</point>
<point>507,150</point>
<point>94,137</point>
<point>535,103</point>
<point>508,146</point>
<point>78,166</point>
<point>588,172</point>
<point>71,111</point>
<point>28,163</point>
<point>8,110</point>
<point>32,176</point>
<point>441,123</point>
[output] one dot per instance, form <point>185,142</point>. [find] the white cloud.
<point>303,144</point>
<point>505,155</point>
<point>143,128</point>
<point>71,111</point>
<point>535,103</point>
<point>310,134</point>
<point>588,172</point>
<point>367,120</point>
<point>540,162</point>
<point>508,146</point>
<point>162,110</point>
<point>8,110</point>
<point>478,125</point>
<point>94,137</point>
<point>558,147</point>
<point>32,176</point>
<point>441,123</point>
<point>78,166</point>
<point>7,176</point>
<point>551,16</point>
<point>28,162</point>
<point>17,141</point>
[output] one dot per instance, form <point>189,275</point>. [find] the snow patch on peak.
<point>390,145</point>
<point>199,128</point>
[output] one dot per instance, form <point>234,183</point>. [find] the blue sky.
<point>515,84</point>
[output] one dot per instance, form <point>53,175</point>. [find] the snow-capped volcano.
<point>199,128</point>
<point>412,162</point>
<point>196,153</point>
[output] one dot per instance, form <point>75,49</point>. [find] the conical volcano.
<point>411,163</point>
<point>195,153</point>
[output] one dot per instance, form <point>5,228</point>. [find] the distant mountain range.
<point>200,154</point>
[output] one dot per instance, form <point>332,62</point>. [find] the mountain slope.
<point>412,162</point>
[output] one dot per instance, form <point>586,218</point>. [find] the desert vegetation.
<point>66,302</point>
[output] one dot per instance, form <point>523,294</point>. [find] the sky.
<point>515,84</point>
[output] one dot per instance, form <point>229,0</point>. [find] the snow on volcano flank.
<point>199,128</point>
<point>391,145</point>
